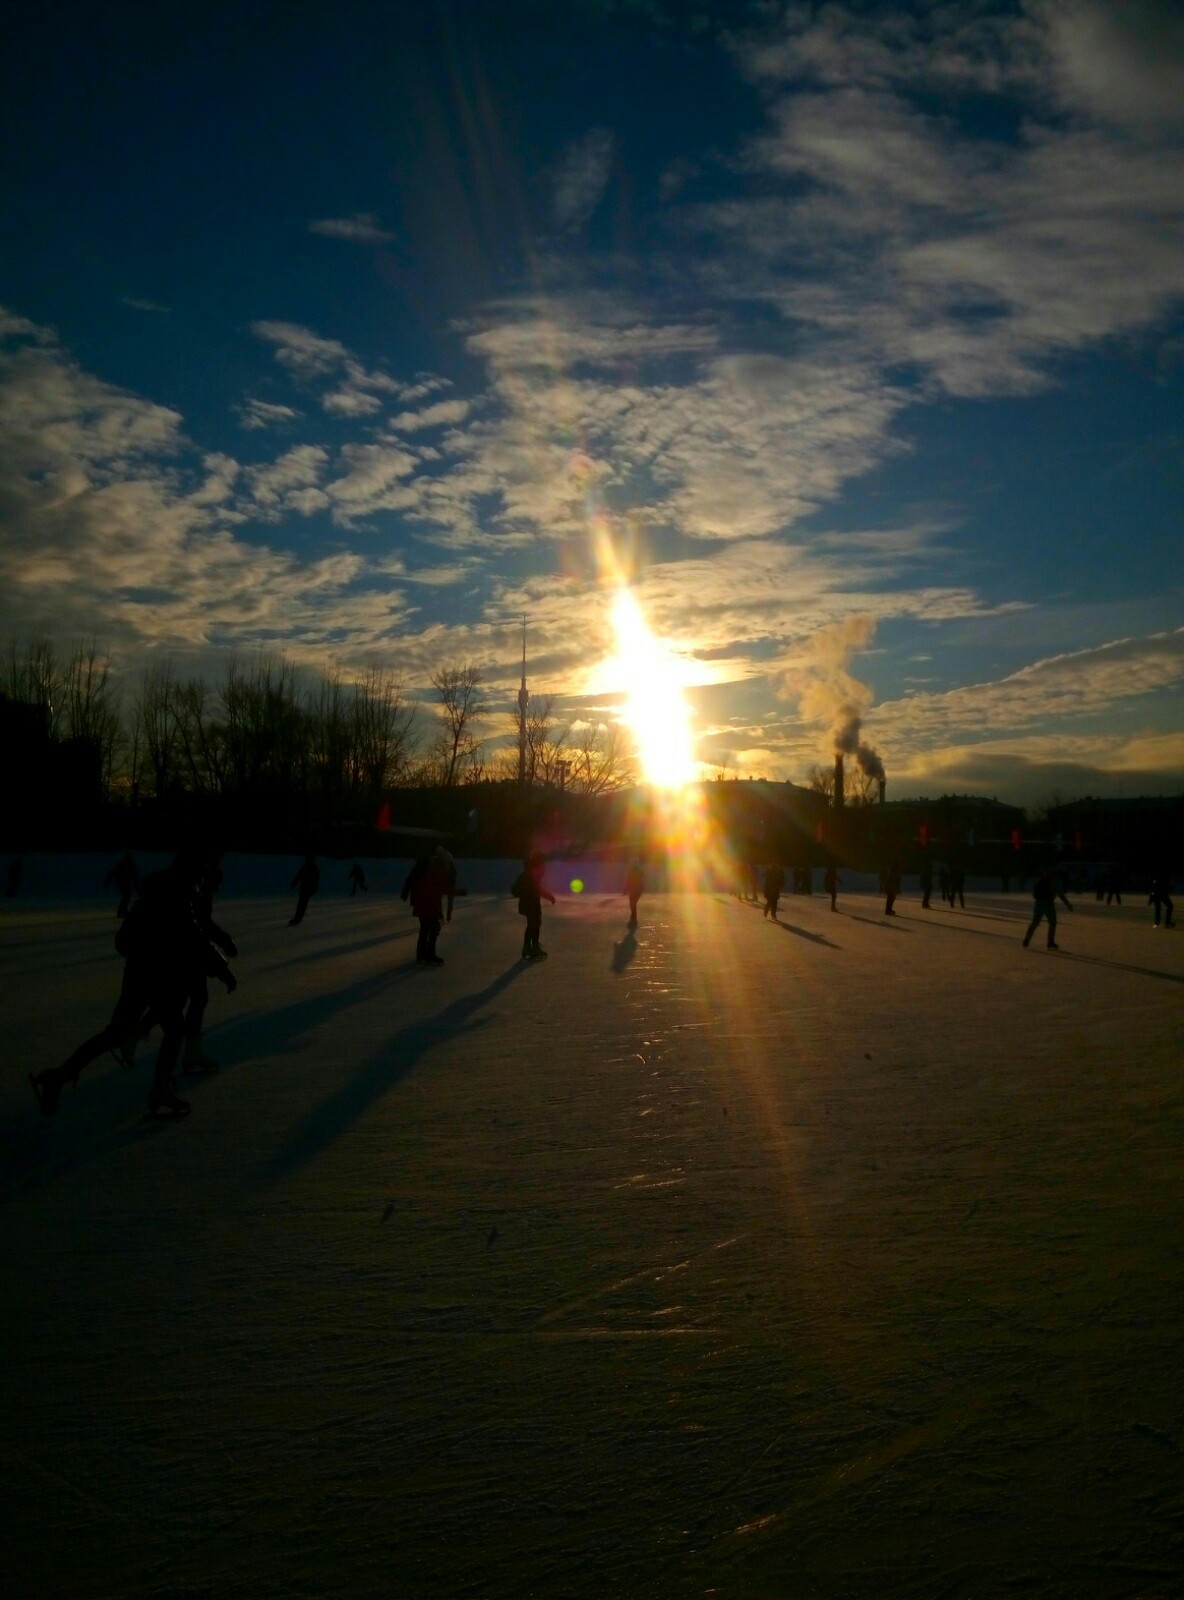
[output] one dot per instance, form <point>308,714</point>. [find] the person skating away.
<point>891,889</point>
<point>356,879</point>
<point>926,884</point>
<point>126,879</point>
<point>427,884</point>
<point>531,892</point>
<point>1161,896</point>
<point>957,887</point>
<point>1114,886</point>
<point>943,882</point>
<point>307,881</point>
<point>164,949</point>
<point>831,884</point>
<point>1044,907</point>
<point>774,883</point>
<point>634,888</point>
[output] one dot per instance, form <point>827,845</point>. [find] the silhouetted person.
<point>1114,885</point>
<point>1161,896</point>
<point>1044,907</point>
<point>427,894</point>
<point>943,882</point>
<point>926,884</point>
<point>957,887</point>
<point>634,888</point>
<point>531,892</point>
<point>207,872</point>
<point>164,950</point>
<point>773,885</point>
<point>831,884</point>
<point>307,881</point>
<point>126,879</point>
<point>891,889</point>
<point>16,871</point>
<point>356,879</point>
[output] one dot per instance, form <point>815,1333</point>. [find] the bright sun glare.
<point>656,707</point>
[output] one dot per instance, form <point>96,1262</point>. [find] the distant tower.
<point>523,701</point>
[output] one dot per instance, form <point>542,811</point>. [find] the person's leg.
<point>1050,912</point>
<point>195,1057</point>
<point>834,895</point>
<point>301,908</point>
<point>432,927</point>
<point>1037,917</point>
<point>170,1007</point>
<point>421,944</point>
<point>534,928</point>
<point>526,937</point>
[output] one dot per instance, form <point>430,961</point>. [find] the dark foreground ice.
<point>838,1258</point>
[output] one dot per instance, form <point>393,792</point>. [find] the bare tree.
<point>157,725</point>
<point>382,726</point>
<point>460,707</point>
<point>600,758</point>
<point>33,675</point>
<point>821,780</point>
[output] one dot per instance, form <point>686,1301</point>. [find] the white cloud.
<point>257,414</point>
<point>362,227</point>
<point>138,303</point>
<point>435,416</point>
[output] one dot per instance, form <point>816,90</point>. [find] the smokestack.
<point>883,787</point>
<point>839,781</point>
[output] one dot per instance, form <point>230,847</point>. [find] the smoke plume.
<point>834,696</point>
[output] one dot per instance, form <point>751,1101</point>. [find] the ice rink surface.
<point>836,1258</point>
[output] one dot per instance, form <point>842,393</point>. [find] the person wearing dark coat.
<point>1044,907</point>
<point>356,879</point>
<point>831,884</point>
<point>891,889</point>
<point>164,950</point>
<point>926,883</point>
<point>774,883</point>
<point>1161,896</point>
<point>307,881</point>
<point>634,888</point>
<point>531,892</point>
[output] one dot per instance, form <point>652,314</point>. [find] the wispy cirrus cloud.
<point>580,177</point>
<point>360,227</point>
<point>255,415</point>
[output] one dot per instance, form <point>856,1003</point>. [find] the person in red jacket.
<point>431,879</point>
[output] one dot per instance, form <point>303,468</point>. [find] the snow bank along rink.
<point>836,1258</point>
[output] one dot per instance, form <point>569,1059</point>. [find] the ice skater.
<point>356,879</point>
<point>1114,886</point>
<point>1161,896</point>
<point>531,892</point>
<point>164,950</point>
<point>126,879</point>
<point>307,881</point>
<point>431,879</point>
<point>634,888</point>
<point>830,883</point>
<point>957,887</point>
<point>926,883</point>
<point>1044,907</point>
<point>943,881</point>
<point>774,883</point>
<point>891,889</point>
<point>208,880</point>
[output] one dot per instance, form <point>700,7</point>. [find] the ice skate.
<point>163,1102</point>
<point>195,1060</point>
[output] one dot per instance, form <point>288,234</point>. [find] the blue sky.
<point>855,336</point>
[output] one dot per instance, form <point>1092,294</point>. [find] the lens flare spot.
<point>577,886</point>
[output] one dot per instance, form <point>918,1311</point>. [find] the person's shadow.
<point>624,951</point>
<point>330,1119</point>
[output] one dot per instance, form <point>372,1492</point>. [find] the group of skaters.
<point>172,945</point>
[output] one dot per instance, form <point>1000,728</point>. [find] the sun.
<point>656,709</point>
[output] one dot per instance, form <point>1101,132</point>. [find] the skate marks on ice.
<point>334,1115</point>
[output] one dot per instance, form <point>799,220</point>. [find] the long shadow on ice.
<point>327,953</point>
<point>267,1033</point>
<point>804,933</point>
<point>876,922</point>
<point>338,1111</point>
<point>624,952</point>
